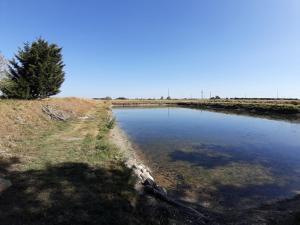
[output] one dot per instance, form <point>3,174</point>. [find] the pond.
<point>218,160</point>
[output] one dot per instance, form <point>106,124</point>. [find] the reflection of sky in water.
<point>211,140</point>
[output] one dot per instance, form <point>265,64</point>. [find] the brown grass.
<point>21,119</point>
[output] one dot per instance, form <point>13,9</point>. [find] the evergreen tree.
<point>35,72</point>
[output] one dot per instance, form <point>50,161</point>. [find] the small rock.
<point>139,167</point>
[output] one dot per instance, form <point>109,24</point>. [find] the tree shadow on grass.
<point>68,193</point>
<point>5,165</point>
<point>76,193</point>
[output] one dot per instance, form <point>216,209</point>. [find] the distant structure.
<point>168,94</point>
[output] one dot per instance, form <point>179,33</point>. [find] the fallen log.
<point>153,189</point>
<point>54,113</point>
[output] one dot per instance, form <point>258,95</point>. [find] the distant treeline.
<point>217,97</point>
<point>289,99</point>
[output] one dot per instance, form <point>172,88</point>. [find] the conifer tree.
<point>35,72</point>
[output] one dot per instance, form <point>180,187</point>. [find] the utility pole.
<point>202,94</point>
<point>210,95</point>
<point>277,93</point>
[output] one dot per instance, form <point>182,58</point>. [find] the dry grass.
<point>22,119</point>
<point>75,106</point>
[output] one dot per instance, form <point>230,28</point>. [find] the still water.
<point>222,161</point>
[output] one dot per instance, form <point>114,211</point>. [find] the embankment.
<point>57,171</point>
<point>287,109</point>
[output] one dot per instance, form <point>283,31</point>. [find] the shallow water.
<point>222,161</point>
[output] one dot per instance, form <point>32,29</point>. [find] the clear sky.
<point>140,48</point>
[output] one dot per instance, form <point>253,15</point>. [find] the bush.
<point>35,72</point>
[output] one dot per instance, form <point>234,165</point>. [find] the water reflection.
<point>221,159</point>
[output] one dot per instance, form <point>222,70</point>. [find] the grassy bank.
<point>63,172</point>
<point>252,107</point>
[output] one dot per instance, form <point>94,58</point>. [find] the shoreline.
<point>131,158</point>
<point>146,185</point>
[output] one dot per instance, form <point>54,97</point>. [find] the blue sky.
<point>140,48</point>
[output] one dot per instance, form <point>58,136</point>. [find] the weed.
<point>111,123</point>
